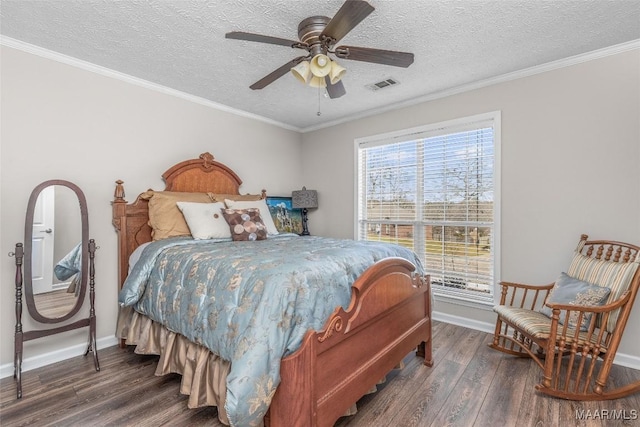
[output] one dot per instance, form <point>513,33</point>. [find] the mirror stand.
<point>22,336</point>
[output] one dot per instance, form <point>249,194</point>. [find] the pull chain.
<point>319,96</point>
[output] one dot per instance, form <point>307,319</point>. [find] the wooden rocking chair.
<point>576,345</point>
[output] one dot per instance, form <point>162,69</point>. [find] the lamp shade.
<point>320,65</point>
<point>304,199</point>
<point>302,72</point>
<point>316,81</point>
<point>336,73</point>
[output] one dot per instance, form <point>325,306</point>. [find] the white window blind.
<point>433,190</point>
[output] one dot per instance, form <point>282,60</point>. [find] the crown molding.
<point>538,69</point>
<point>107,72</point>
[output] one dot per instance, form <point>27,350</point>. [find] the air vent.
<point>383,84</point>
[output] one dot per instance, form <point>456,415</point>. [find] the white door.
<point>42,243</point>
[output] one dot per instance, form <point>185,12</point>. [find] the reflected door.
<point>43,241</point>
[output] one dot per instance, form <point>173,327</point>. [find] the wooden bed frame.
<point>389,314</point>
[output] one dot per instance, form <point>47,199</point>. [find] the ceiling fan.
<point>318,35</point>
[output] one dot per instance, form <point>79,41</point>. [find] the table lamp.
<point>304,199</point>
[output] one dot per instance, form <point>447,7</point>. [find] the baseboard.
<point>34,362</point>
<point>627,360</point>
<point>621,359</point>
<point>38,361</point>
<point>463,321</point>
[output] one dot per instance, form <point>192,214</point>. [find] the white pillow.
<point>260,204</point>
<point>205,220</point>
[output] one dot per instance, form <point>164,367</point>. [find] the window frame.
<point>490,119</point>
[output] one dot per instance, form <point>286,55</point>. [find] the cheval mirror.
<point>58,263</point>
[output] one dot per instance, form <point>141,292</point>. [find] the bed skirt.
<point>204,374</point>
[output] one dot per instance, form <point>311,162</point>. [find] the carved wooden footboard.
<point>389,314</point>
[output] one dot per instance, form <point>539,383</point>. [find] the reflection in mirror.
<point>56,241</point>
<point>56,261</point>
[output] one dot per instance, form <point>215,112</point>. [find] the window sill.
<point>464,300</point>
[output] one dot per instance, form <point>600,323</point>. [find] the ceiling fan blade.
<point>275,75</point>
<point>350,14</point>
<point>378,56</point>
<point>241,35</point>
<point>336,90</point>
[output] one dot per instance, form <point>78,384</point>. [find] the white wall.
<point>570,165</point>
<point>59,121</point>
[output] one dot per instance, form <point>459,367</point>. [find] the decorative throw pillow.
<point>257,204</point>
<point>245,224</point>
<point>571,291</point>
<point>165,218</point>
<point>205,220</point>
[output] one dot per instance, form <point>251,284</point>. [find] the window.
<point>434,189</point>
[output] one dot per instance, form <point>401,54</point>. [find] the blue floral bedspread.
<point>250,302</point>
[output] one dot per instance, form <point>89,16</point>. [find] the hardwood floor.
<point>469,385</point>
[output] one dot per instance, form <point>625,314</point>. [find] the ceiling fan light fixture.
<point>317,82</point>
<point>319,35</point>
<point>336,72</point>
<point>320,65</point>
<point>315,72</point>
<point>302,72</point>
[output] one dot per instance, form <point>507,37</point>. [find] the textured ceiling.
<point>180,44</point>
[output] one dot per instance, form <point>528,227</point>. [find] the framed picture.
<point>286,218</point>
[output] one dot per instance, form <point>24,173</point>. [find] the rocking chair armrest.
<point>592,308</point>
<point>518,293</point>
<point>582,313</point>
<point>525,286</point>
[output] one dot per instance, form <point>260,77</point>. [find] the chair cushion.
<point>532,322</point>
<point>571,291</point>
<point>537,325</point>
<point>615,275</point>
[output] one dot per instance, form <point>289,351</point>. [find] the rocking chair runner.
<point>576,345</point>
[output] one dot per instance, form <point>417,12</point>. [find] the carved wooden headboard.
<point>203,174</point>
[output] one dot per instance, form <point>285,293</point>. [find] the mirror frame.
<point>28,247</point>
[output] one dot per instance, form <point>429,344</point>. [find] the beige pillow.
<point>257,204</point>
<point>219,197</point>
<point>205,220</point>
<point>165,218</point>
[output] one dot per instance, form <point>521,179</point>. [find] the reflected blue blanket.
<point>250,302</point>
<point>70,264</point>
